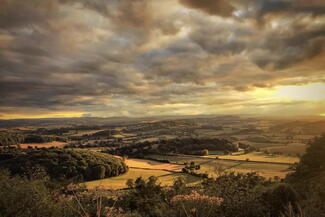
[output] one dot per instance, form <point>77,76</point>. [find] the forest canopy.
<point>191,146</point>
<point>62,164</point>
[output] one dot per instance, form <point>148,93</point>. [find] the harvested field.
<point>44,145</point>
<point>149,164</point>
<point>213,166</point>
<point>259,156</point>
<point>289,149</point>
<point>164,177</point>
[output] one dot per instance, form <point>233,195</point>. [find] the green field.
<point>267,170</point>
<point>259,156</point>
<point>164,177</point>
<point>214,167</point>
<point>289,149</point>
<point>168,172</point>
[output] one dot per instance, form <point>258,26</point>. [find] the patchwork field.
<point>148,164</point>
<point>262,144</point>
<point>259,156</point>
<point>166,174</point>
<point>83,132</point>
<point>164,177</point>
<point>43,145</point>
<point>267,170</point>
<point>214,167</point>
<point>289,149</point>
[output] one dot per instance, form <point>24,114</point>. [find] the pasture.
<point>289,149</point>
<point>259,156</point>
<point>166,174</point>
<point>43,145</point>
<point>149,164</point>
<point>215,167</point>
<point>164,177</point>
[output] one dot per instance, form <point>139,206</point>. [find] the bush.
<point>240,193</point>
<point>278,197</point>
<point>11,138</point>
<point>20,197</point>
<point>146,198</point>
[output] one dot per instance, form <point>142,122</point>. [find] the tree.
<point>130,183</point>
<point>312,164</point>
<point>278,197</point>
<point>99,172</point>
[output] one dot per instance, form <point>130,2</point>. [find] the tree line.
<point>193,146</point>
<point>15,138</point>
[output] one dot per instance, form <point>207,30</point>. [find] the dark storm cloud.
<point>135,13</point>
<point>277,48</point>
<point>221,38</point>
<point>282,51</point>
<point>121,55</point>
<point>36,71</point>
<point>213,7</point>
<point>315,7</point>
<point>17,13</point>
<point>256,8</point>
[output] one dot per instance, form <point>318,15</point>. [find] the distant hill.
<point>99,121</point>
<point>302,127</point>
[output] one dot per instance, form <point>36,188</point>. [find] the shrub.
<point>196,205</point>
<point>20,197</point>
<point>278,197</point>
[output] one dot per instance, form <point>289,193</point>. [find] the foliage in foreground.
<point>231,195</point>
<point>309,178</point>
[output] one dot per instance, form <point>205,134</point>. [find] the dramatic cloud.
<point>256,8</point>
<point>145,57</point>
<point>213,7</point>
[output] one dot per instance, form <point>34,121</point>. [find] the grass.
<point>44,145</point>
<point>266,170</point>
<point>261,144</point>
<point>212,166</point>
<point>83,132</point>
<point>259,156</point>
<point>216,152</point>
<point>148,164</point>
<point>164,177</point>
<point>168,172</point>
<point>289,149</point>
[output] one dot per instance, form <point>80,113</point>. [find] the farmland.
<point>166,174</point>
<point>259,156</point>
<point>288,149</point>
<point>274,147</point>
<point>43,145</point>
<point>149,164</point>
<point>141,161</point>
<point>216,167</point>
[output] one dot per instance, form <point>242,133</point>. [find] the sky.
<point>104,58</point>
